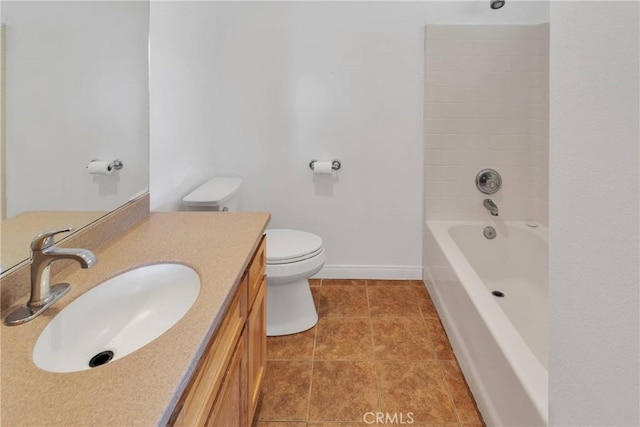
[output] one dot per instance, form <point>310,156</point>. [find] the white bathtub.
<point>500,343</point>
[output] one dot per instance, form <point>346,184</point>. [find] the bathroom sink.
<point>117,317</point>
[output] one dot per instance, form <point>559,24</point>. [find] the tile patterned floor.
<point>378,347</point>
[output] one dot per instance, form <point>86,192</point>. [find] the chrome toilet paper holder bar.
<point>335,165</point>
<point>116,164</point>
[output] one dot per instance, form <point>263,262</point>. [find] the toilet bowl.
<point>292,257</point>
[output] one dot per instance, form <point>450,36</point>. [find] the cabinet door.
<point>257,345</point>
<point>230,408</point>
<point>208,380</point>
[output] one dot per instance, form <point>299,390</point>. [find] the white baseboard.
<point>390,272</point>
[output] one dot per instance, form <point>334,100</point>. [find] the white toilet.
<point>292,257</point>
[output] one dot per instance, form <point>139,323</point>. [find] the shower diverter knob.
<point>488,181</point>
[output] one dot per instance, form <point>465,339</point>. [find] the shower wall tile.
<point>478,126</point>
<point>480,63</point>
<point>524,63</point>
<point>484,79</point>
<point>451,189</point>
<point>471,47</point>
<point>473,157</point>
<point>481,94</point>
<point>483,32</point>
<point>457,173</point>
<point>486,106</point>
<point>479,110</point>
<point>479,142</point>
<point>541,136</point>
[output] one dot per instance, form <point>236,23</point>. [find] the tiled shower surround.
<point>486,106</point>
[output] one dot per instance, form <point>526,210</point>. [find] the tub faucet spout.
<point>491,206</point>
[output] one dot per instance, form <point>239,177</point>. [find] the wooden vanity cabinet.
<point>225,389</point>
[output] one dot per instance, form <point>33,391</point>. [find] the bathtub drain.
<point>101,358</point>
<point>489,232</point>
<point>497,294</point>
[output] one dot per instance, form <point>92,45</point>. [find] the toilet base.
<point>290,308</point>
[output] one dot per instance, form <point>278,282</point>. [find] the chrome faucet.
<point>492,207</point>
<point>43,254</point>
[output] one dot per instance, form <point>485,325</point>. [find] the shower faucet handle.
<point>488,181</point>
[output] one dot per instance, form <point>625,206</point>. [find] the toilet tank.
<point>217,194</point>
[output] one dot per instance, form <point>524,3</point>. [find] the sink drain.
<point>101,358</point>
<point>497,294</point>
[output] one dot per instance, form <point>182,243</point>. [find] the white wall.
<point>328,81</point>
<point>183,84</point>
<point>286,82</point>
<point>76,75</point>
<point>594,217</point>
<point>486,107</point>
<point>3,180</point>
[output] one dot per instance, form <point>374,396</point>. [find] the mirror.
<point>75,89</point>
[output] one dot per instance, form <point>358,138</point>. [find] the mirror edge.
<point>101,231</point>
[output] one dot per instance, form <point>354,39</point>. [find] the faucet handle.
<point>45,240</point>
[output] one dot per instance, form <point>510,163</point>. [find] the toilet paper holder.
<point>335,165</point>
<point>97,167</point>
<point>116,164</point>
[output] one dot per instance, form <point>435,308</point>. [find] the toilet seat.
<point>286,246</point>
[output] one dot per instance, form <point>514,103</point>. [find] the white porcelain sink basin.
<point>119,316</point>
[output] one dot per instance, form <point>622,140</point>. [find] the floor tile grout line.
<point>427,359</point>
<point>429,335</point>
<point>346,317</point>
<point>431,340</point>
<point>313,361</point>
<point>449,392</point>
<point>373,349</point>
<point>313,367</point>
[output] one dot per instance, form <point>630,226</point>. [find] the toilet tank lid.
<point>284,244</point>
<point>213,192</point>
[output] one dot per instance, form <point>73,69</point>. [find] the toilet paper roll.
<point>100,168</point>
<point>322,168</point>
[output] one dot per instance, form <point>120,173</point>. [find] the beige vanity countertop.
<point>143,387</point>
